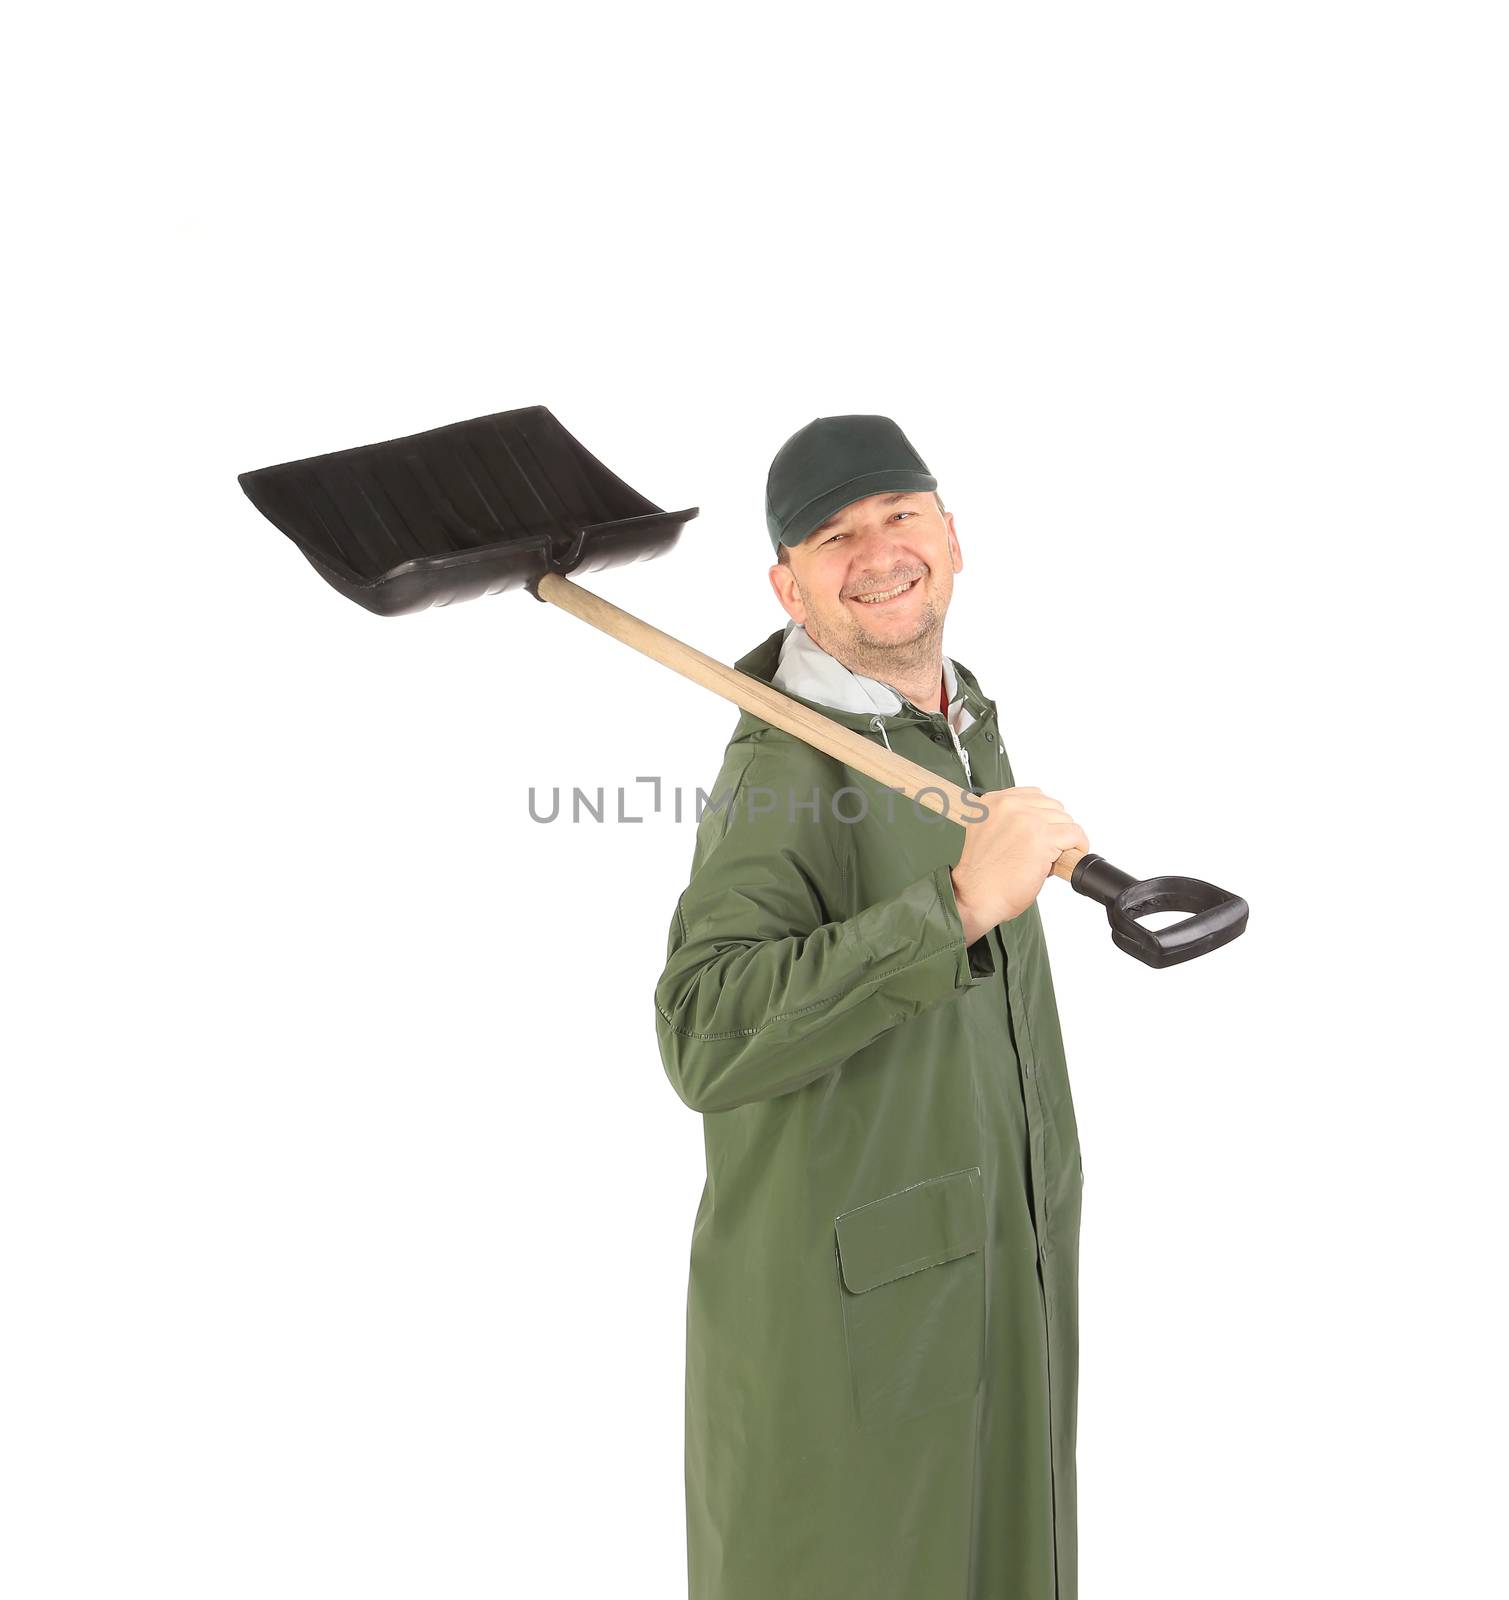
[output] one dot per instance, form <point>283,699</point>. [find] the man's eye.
<point>831,537</point>
<point>906,513</point>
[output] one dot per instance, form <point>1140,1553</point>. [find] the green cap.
<point>832,462</point>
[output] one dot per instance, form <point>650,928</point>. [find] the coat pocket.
<point>912,1282</point>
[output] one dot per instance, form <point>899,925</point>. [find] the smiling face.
<point>873,583</point>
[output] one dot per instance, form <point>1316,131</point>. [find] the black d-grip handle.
<point>1217,917</point>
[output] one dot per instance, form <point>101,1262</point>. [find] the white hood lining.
<point>806,669</point>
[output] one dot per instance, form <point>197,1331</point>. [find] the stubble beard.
<point>887,660</point>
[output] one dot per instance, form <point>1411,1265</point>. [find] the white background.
<point>345,1203</point>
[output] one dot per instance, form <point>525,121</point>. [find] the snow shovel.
<point>514,501</point>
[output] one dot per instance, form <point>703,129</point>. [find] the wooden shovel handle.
<point>822,733</point>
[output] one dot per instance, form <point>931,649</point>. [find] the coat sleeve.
<point>764,989</point>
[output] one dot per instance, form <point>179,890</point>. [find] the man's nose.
<point>877,548</point>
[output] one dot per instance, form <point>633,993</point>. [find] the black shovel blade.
<point>469,509</point>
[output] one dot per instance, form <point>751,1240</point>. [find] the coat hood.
<point>789,660</point>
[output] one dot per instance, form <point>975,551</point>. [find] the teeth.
<point>889,594</point>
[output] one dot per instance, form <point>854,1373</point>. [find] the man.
<point>881,1339</point>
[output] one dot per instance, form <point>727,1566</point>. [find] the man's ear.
<point>786,591</point>
<point>956,555</point>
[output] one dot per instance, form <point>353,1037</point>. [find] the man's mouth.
<point>882,597</point>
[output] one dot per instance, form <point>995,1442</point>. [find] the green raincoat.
<point>881,1334</point>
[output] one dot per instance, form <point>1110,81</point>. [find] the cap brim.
<point>816,512</point>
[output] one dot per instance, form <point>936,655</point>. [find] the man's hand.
<point>1009,854</point>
